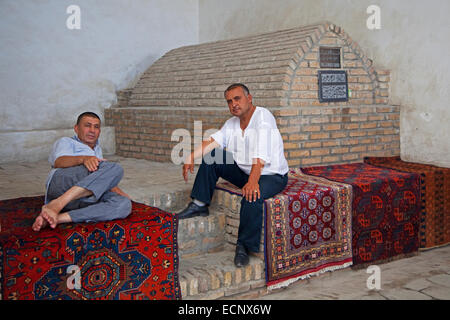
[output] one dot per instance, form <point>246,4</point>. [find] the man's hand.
<point>92,162</point>
<point>205,147</point>
<point>188,167</point>
<point>251,191</point>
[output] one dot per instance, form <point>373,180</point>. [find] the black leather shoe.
<point>193,210</point>
<point>241,258</point>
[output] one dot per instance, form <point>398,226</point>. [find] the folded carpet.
<point>435,219</point>
<point>307,229</point>
<point>386,209</point>
<point>132,259</point>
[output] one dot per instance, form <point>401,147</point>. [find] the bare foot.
<point>50,215</point>
<point>39,223</point>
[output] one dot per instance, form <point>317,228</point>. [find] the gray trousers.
<point>103,205</point>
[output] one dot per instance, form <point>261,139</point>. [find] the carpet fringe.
<point>288,282</point>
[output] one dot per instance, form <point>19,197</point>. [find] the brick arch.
<point>309,66</point>
<point>375,75</point>
<point>186,85</point>
<point>195,76</point>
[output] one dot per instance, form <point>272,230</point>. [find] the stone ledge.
<point>201,235</point>
<point>230,205</point>
<point>202,279</point>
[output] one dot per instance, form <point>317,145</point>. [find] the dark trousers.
<point>251,213</point>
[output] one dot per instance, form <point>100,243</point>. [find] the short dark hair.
<point>237,85</point>
<point>87,114</point>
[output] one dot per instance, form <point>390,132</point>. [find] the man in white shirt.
<point>82,186</point>
<point>254,161</point>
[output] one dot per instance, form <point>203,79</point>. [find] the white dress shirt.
<point>260,140</point>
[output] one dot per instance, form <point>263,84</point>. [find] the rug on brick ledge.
<point>307,229</point>
<point>435,218</point>
<point>386,209</point>
<point>131,259</point>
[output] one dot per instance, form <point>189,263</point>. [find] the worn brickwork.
<point>331,135</point>
<point>311,135</point>
<point>146,133</point>
<point>185,87</point>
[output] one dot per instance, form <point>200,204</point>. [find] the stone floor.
<point>424,276</point>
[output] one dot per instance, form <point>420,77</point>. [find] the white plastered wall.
<point>49,74</point>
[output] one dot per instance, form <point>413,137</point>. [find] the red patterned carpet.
<point>307,229</point>
<point>386,209</point>
<point>132,259</point>
<point>435,220</point>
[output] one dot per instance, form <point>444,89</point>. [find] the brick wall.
<point>145,133</point>
<point>280,68</point>
<point>331,135</point>
<point>311,135</point>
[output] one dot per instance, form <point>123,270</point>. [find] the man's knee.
<point>122,207</point>
<point>113,167</point>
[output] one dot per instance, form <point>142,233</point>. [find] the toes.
<point>37,225</point>
<point>49,219</point>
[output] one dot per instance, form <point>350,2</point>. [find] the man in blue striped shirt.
<point>82,186</point>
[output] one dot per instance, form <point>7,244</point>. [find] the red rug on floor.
<point>435,220</point>
<point>386,209</point>
<point>307,229</point>
<point>131,259</point>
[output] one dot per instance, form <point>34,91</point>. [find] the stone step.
<point>230,205</point>
<point>201,234</point>
<point>205,244</point>
<point>156,184</point>
<point>213,233</point>
<point>214,276</point>
<point>173,202</point>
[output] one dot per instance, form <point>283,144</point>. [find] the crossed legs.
<point>50,214</point>
<point>84,196</point>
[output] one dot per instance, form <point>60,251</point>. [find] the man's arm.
<point>90,162</point>
<point>201,150</point>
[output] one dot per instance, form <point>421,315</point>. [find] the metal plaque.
<point>333,85</point>
<point>330,57</point>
